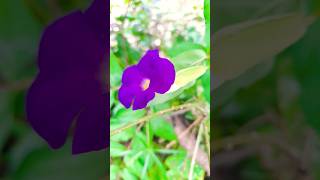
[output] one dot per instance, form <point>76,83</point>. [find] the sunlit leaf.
<point>117,149</point>
<point>188,58</point>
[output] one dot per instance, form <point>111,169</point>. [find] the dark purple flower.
<point>71,88</point>
<point>140,82</point>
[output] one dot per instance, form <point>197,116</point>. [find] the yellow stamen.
<point>145,84</point>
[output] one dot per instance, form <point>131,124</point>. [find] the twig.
<point>195,152</point>
<point>185,132</point>
<point>148,117</point>
<point>189,143</point>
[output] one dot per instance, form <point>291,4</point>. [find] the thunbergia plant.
<point>71,86</point>
<point>140,82</point>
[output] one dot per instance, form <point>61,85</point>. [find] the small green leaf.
<point>125,174</point>
<point>188,58</point>
<point>206,13</point>
<point>163,128</point>
<point>133,163</point>
<point>180,47</point>
<point>117,149</point>
<point>114,171</point>
<point>206,86</point>
<point>115,71</point>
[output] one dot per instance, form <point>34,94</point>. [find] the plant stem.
<point>195,152</point>
<point>148,117</point>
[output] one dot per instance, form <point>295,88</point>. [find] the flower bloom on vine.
<point>153,74</point>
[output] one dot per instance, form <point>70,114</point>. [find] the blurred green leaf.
<point>228,89</point>
<point>206,12</point>
<point>188,58</point>
<point>180,47</point>
<point>123,116</point>
<point>114,172</point>
<point>133,163</point>
<point>206,85</point>
<point>6,117</point>
<point>19,34</point>
<point>115,71</point>
<point>117,149</point>
<point>163,128</point>
<point>53,165</point>
<point>306,61</point>
<point>269,36</point>
<point>139,142</point>
<point>125,174</point>
<point>179,166</point>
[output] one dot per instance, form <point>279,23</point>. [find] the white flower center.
<point>145,84</point>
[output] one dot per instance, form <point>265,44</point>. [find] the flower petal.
<point>131,76</point>
<point>127,94</point>
<point>148,62</point>
<point>160,71</point>
<point>162,83</point>
<point>53,102</point>
<point>70,58</point>
<point>142,99</point>
<point>97,15</point>
<point>92,127</point>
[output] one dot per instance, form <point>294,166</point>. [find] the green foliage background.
<point>24,155</point>
<point>141,152</point>
<point>266,84</point>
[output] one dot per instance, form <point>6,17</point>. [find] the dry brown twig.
<point>188,141</point>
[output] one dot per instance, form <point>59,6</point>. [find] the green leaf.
<point>187,75</point>
<point>163,128</point>
<point>242,46</point>
<point>185,78</point>
<point>134,164</point>
<point>206,85</point>
<point>206,13</point>
<point>122,117</point>
<point>115,71</point>
<point>19,34</point>
<point>117,149</point>
<point>139,142</point>
<point>188,58</point>
<point>51,165</point>
<point>180,47</point>
<point>6,117</point>
<point>179,167</point>
<point>114,171</point>
<point>228,89</point>
<point>125,174</point>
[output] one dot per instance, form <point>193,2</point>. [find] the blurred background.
<point>170,139</point>
<point>24,155</point>
<point>266,108</point>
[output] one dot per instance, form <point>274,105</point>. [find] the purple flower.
<point>70,89</point>
<point>140,82</point>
